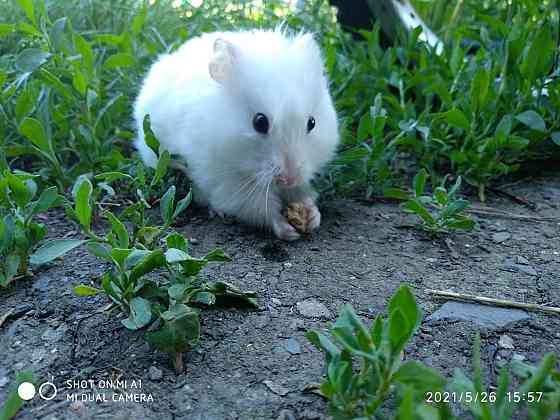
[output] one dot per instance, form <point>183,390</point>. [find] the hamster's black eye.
<point>310,124</point>
<point>260,123</point>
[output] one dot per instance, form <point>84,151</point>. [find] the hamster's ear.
<point>222,62</point>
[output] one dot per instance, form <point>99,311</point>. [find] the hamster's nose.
<point>287,181</point>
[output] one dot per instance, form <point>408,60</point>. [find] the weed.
<point>383,380</point>
<point>165,305</point>
<point>440,212</point>
<point>19,232</point>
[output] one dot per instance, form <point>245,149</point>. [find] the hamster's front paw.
<point>313,215</point>
<point>285,231</point>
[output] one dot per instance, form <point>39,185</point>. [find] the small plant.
<point>383,383</point>
<point>365,392</point>
<point>165,303</point>
<point>19,232</point>
<point>440,212</point>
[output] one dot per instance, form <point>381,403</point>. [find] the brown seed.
<point>297,216</point>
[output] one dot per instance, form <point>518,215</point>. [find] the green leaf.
<point>182,204</point>
<point>418,209</point>
<point>112,176</point>
<point>407,406</point>
<point>6,29</point>
<point>456,118</point>
<point>377,330</point>
<point>180,332</point>
<point>12,264</point>
<point>161,168</point>
<point>84,208</point>
<point>79,82</point>
<point>419,182</point>
<point>192,266</point>
<point>456,187</point>
<point>84,48</point>
<point>174,255</point>
<point>204,298</point>
<point>229,295</point>
<point>152,261</point>
<point>99,250</point>
<point>399,331</point>
<point>58,35</point>
<point>46,200</point>
<point>30,59</point>
<point>419,375</point>
<point>404,300</point>
<point>139,19</point>
<point>119,231</point>
<point>140,314</point>
<point>454,208</point>
<point>176,240</point>
<point>396,193</point>
<point>34,131</point>
<point>21,193</point>
<point>441,196</point>
<point>166,205</point>
<point>119,256</point>
<point>532,120</point>
<point>135,257</point>
<point>539,54</point>
<point>177,292</point>
<point>365,127</point>
<point>27,6</point>
<point>85,290</point>
<point>120,60</point>
<point>217,255</point>
<point>462,224</point>
<point>149,136</point>
<point>479,89</point>
<point>555,136</point>
<point>148,234</point>
<point>505,125</point>
<point>53,249</point>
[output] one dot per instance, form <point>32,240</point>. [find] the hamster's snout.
<point>287,181</point>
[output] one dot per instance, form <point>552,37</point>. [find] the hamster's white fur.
<point>202,100</point>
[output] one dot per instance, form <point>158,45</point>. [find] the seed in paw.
<point>298,216</point>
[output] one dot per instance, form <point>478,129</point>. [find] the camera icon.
<point>47,391</point>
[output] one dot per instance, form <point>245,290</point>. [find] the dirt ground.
<point>255,364</point>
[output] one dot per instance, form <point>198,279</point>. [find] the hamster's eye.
<point>310,124</point>
<point>260,123</point>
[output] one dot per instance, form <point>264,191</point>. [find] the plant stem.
<point>177,360</point>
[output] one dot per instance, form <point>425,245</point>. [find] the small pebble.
<point>506,342</point>
<point>521,260</point>
<point>312,308</point>
<point>293,346</point>
<point>276,302</point>
<point>501,237</point>
<point>155,374</point>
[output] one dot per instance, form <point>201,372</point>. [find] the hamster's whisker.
<point>266,201</point>
<point>247,183</point>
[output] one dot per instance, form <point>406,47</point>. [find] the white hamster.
<point>251,114</point>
